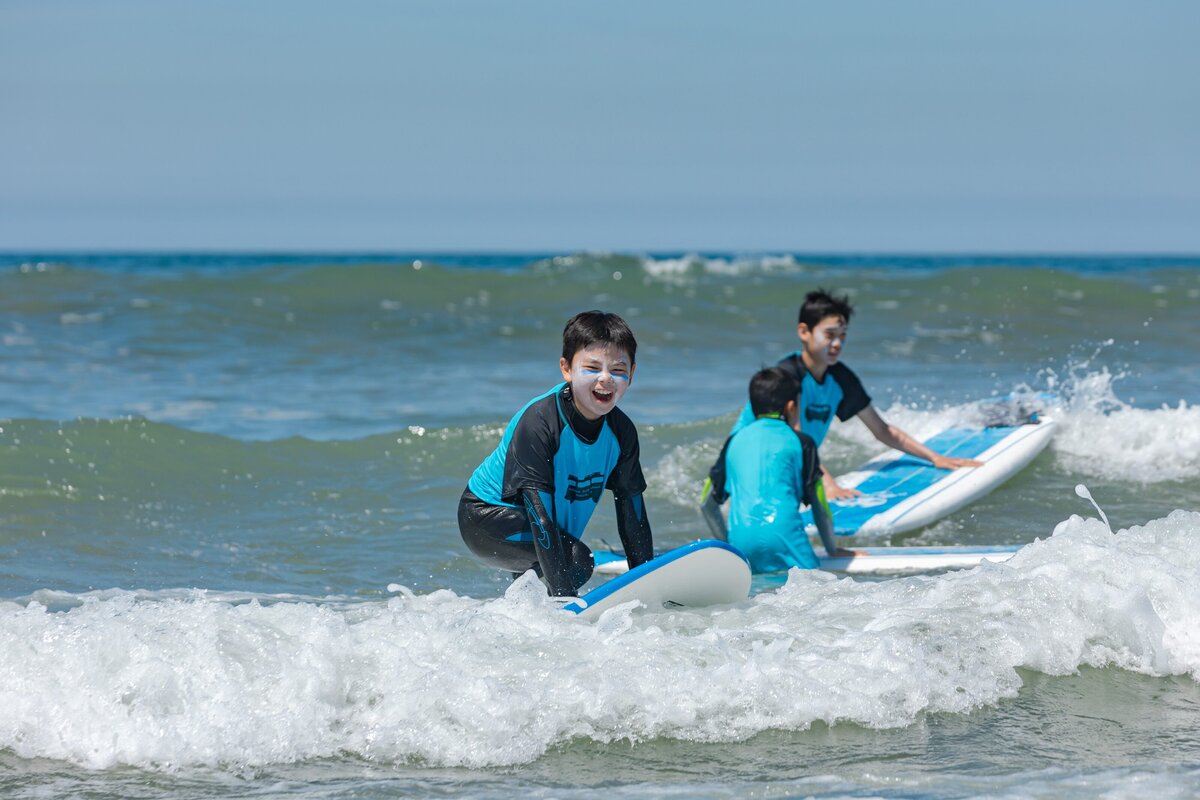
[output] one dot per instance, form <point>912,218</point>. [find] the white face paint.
<point>599,376</point>
<point>824,341</point>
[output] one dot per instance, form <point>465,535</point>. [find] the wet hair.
<point>597,327</point>
<point>771,389</point>
<point>821,304</point>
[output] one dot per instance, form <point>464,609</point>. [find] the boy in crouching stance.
<point>526,506</point>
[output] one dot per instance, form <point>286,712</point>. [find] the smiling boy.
<point>827,387</point>
<point>526,506</point>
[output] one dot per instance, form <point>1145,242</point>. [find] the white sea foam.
<point>675,268</point>
<point>74,318</point>
<point>1099,436</point>
<point>275,414</point>
<point>679,475</point>
<point>175,411</point>
<point>1102,436</point>
<point>449,680</point>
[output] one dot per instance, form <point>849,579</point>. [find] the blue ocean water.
<point>229,562</point>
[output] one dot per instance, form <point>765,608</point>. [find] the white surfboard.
<point>702,573</point>
<point>873,560</point>
<point>883,560</point>
<point>902,493</point>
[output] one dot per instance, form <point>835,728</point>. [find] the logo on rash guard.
<point>817,413</point>
<point>589,487</point>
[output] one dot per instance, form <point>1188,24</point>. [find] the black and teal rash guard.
<point>840,392</point>
<point>568,460</point>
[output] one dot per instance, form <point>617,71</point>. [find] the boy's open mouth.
<point>602,395</point>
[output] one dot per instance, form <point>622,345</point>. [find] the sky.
<point>1023,126</point>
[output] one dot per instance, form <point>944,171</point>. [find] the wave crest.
<point>448,680</point>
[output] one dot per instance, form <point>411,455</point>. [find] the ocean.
<point>230,564</point>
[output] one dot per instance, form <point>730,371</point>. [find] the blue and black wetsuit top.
<point>839,392</point>
<point>570,460</point>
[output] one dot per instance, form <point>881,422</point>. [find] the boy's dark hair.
<point>771,389</point>
<point>597,327</point>
<point>821,304</point>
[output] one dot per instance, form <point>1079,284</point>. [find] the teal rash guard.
<point>767,480</point>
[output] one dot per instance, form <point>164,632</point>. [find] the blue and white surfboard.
<point>702,573</point>
<point>902,493</point>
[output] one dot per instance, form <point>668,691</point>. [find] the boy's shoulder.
<point>841,373</point>
<point>621,424</point>
<point>772,427</point>
<point>543,408</point>
<point>793,363</point>
<point>765,436</point>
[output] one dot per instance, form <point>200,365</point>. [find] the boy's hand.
<point>841,552</point>
<point>835,492</point>
<point>945,462</point>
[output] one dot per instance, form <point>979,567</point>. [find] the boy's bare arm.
<point>896,438</point>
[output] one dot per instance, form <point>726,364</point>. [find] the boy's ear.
<point>802,330</point>
<point>565,366</point>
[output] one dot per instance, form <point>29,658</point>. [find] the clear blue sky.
<point>563,125</point>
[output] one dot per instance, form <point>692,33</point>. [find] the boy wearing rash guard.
<point>770,470</point>
<point>525,507</point>
<point>827,387</point>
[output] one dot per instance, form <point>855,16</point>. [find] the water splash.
<point>1083,492</point>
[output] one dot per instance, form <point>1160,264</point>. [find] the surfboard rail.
<point>881,560</point>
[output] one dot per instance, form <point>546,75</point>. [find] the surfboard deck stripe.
<point>874,560</point>
<point>902,493</point>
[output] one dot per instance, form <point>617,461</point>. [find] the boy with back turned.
<point>526,506</point>
<point>770,470</point>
